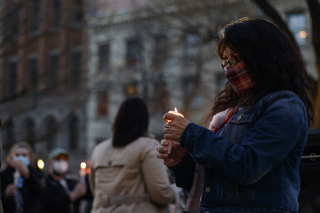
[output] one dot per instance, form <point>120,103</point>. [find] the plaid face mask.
<point>239,77</point>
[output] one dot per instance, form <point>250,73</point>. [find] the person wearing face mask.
<point>62,194</point>
<point>20,187</point>
<point>248,159</point>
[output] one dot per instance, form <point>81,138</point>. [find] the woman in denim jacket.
<point>251,152</point>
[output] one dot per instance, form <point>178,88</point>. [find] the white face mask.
<point>25,160</point>
<point>60,167</point>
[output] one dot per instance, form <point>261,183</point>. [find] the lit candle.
<point>40,164</point>
<point>82,171</point>
<point>175,112</point>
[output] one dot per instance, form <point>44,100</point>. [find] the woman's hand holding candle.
<point>175,112</point>
<point>175,157</point>
<point>174,129</point>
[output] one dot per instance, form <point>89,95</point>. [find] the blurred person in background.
<point>125,174</point>
<point>61,194</point>
<point>20,187</point>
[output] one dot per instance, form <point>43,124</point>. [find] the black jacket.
<point>56,199</point>
<point>31,191</point>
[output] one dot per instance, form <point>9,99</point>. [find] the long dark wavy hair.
<point>274,61</point>
<point>131,122</point>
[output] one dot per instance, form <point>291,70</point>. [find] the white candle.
<point>82,171</point>
<point>175,112</point>
<point>16,176</point>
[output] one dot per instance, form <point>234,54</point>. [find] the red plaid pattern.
<point>239,77</point>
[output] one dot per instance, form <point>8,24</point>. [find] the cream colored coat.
<point>131,170</point>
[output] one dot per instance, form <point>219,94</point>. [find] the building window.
<point>51,126</point>
<point>160,50</point>
<point>14,8</point>
<point>297,25</point>
<point>34,14</point>
<point>55,14</point>
<point>77,14</point>
<point>33,72</point>
<point>53,70</point>
<point>192,46</point>
<point>73,128</point>
<point>75,69</point>
<point>104,57</point>
<point>30,131</point>
<point>133,52</point>
<point>102,107</point>
<point>12,78</point>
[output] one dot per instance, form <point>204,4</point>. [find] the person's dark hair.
<point>274,61</point>
<point>131,122</point>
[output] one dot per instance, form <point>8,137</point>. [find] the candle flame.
<point>40,164</point>
<point>83,165</point>
<point>175,109</point>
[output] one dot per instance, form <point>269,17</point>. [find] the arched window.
<point>30,131</point>
<point>51,133</point>
<point>73,127</point>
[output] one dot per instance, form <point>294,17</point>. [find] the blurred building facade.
<point>67,65</point>
<point>43,75</point>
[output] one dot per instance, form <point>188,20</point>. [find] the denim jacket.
<point>252,164</point>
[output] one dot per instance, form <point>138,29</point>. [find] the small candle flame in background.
<point>82,171</point>
<point>83,165</point>
<point>40,164</point>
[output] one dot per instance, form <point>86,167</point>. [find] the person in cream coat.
<point>126,175</point>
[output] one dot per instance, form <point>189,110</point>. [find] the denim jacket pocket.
<point>238,125</point>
